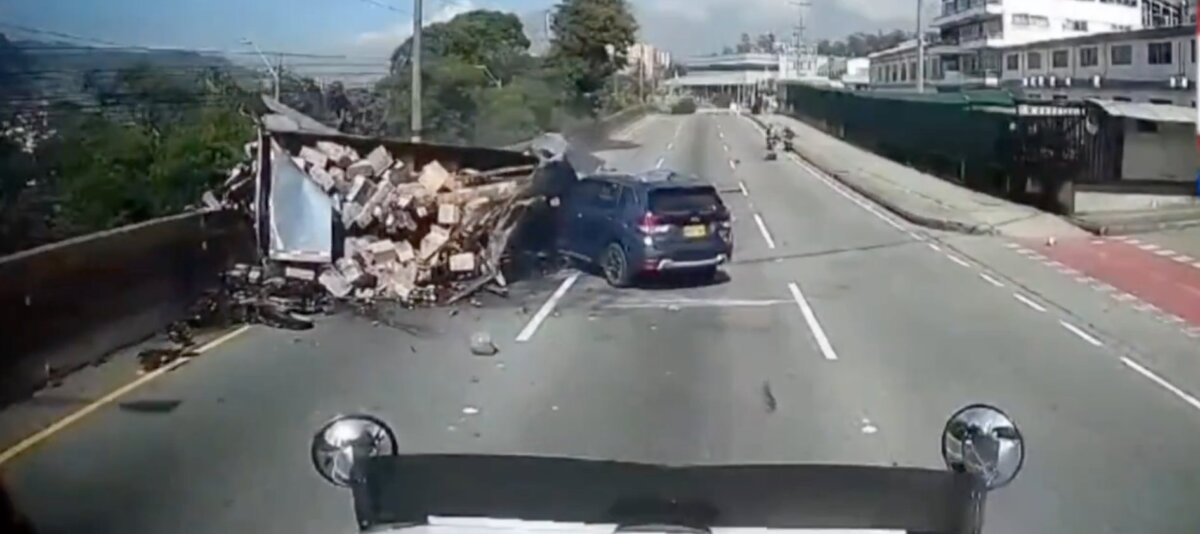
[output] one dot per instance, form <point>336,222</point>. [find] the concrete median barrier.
<point>67,305</point>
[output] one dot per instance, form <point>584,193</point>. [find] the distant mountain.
<point>35,71</point>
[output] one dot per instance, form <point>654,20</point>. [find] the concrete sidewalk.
<point>918,197</point>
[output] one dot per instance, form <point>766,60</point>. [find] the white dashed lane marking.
<point>1029,302</point>
<point>1082,335</point>
<point>815,326</point>
<point>532,327</point>
<point>762,227</point>
<point>958,260</point>
<point>1185,396</point>
<point>991,280</point>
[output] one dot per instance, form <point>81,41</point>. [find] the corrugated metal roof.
<point>1147,112</point>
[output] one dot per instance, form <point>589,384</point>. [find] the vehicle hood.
<point>465,525</point>
<point>595,495</point>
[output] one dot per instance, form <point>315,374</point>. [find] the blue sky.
<point>345,26</point>
<point>357,27</point>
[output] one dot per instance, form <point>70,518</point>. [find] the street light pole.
<point>920,51</point>
<point>270,68</point>
<point>416,72</point>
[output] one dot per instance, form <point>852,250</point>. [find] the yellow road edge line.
<point>61,424</point>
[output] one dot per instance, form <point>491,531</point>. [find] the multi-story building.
<point>1156,65</point>
<point>646,61</point>
<point>971,33</point>
<point>896,68</point>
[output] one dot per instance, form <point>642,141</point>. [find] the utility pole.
<point>803,56</point>
<point>270,68</point>
<point>920,51</point>
<point>416,72</point>
<point>279,74</point>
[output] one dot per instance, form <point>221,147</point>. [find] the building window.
<point>1145,126</point>
<point>1160,53</point>
<point>1075,25</point>
<point>1033,60</point>
<point>1089,57</point>
<point>1012,62</point>
<point>1059,97</point>
<point>1122,55</point>
<point>1058,59</point>
<point>1035,21</point>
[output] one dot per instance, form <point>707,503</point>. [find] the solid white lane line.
<point>813,324</point>
<point>958,260</point>
<point>541,315</point>
<point>762,227</point>
<point>1158,380</point>
<point>742,186</point>
<point>1026,301</point>
<point>829,182</point>
<point>991,280</point>
<point>62,424</point>
<point>935,247</point>
<point>1082,335</point>
<point>659,164</point>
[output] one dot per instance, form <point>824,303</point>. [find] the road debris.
<point>482,345</point>
<point>417,235</point>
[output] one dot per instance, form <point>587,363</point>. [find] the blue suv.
<point>654,222</point>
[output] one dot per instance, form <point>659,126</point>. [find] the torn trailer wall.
<point>374,219</point>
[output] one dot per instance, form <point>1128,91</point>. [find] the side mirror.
<point>985,442</point>
<point>348,439</point>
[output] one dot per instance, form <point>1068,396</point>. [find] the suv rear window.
<point>689,200</point>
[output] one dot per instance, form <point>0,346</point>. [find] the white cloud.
<point>386,40</point>
<point>701,26</point>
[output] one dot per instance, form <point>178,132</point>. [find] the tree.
<point>585,32</point>
<point>765,43</point>
<point>745,46</point>
<point>478,37</point>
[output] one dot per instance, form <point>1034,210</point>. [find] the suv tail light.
<point>651,224</point>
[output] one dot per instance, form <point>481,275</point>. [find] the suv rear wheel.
<point>615,264</point>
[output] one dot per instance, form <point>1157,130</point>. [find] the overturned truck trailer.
<point>379,219</point>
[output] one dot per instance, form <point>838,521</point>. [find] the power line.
<point>388,7</point>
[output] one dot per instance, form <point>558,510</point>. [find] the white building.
<point>896,68</point>
<point>972,32</point>
<point>646,61</point>
<point>1155,66</point>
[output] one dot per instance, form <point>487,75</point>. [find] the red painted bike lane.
<point>1158,277</point>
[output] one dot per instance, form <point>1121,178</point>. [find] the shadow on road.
<point>150,406</point>
<point>666,282</point>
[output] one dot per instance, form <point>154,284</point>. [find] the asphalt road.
<point>906,327</point>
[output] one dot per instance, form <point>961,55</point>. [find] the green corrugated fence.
<point>964,137</point>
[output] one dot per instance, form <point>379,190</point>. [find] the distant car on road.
<point>654,222</point>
